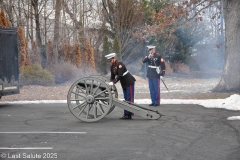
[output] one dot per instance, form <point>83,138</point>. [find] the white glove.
<point>110,83</point>
<point>158,70</point>
<point>150,56</point>
<point>161,77</point>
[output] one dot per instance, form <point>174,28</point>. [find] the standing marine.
<point>156,69</point>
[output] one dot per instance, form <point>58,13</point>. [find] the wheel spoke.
<point>99,107</point>
<point>95,110</point>
<point>100,93</point>
<point>96,89</point>
<point>77,99</point>
<point>91,86</point>
<point>105,105</point>
<point>80,105</point>
<point>87,91</point>
<point>78,94</point>
<point>102,98</point>
<point>89,108</point>
<point>79,87</point>
<point>82,110</point>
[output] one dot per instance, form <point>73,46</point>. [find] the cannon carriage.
<point>91,98</point>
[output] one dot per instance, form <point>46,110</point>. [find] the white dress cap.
<point>151,47</point>
<point>111,55</point>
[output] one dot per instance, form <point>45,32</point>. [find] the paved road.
<point>186,132</point>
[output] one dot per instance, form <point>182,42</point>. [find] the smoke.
<point>202,45</point>
<point>67,72</point>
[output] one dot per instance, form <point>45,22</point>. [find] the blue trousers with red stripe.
<point>154,87</point>
<point>128,93</point>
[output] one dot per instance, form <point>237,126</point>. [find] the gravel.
<point>193,86</point>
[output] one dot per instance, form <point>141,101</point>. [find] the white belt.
<point>153,66</point>
<point>125,73</point>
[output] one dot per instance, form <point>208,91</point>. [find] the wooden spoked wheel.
<point>89,99</point>
<point>114,91</point>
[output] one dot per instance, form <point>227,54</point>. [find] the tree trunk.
<point>230,80</point>
<point>45,23</point>
<point>19,19</point>
<point>1,4</point>
<point>11,19</point>
<point>31,23</point>
<point>38,33</point>
<point>27,19</point>
<point>56,27</point>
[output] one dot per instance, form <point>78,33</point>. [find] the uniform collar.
<point>115,63</point>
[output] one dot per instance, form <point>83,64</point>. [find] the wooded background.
<point>77,34</point>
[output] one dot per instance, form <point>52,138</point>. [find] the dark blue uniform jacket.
<point>154,62</point>
<point>117,73</point>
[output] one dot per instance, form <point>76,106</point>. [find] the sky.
<point>230,103</point>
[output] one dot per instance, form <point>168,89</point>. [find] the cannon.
<point>91,98</point>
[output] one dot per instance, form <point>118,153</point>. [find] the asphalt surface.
<point>186,132</point>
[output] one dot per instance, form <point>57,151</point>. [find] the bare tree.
<point>56,30</point>
<point>230,80</point>
<point>35,4</point>
<point>124,17</point>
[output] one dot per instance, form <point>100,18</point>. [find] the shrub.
<point>35,75</point>
<point>180,67</point>
<point>207,61</point>
<point>193,65</point>
<point>168,69</point>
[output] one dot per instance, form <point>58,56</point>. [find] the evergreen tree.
<point>188,36</point>
<point>78,56</point>
<point>69,53</point>
<point>3,20</point>
<point>50,55</point>
<point>35,57</point>
<point>23,49</point>
<point>116,48</point>
<point>104,53</point>
<point>66,52</point>
<point>90,56</point>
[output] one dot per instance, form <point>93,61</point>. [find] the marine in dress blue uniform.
<point>120,73</point>
<point>154,61</point>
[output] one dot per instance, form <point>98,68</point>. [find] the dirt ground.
<point>196,85</point>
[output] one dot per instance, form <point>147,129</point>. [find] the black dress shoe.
<point>126,117</point>
<point>151,104</point>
